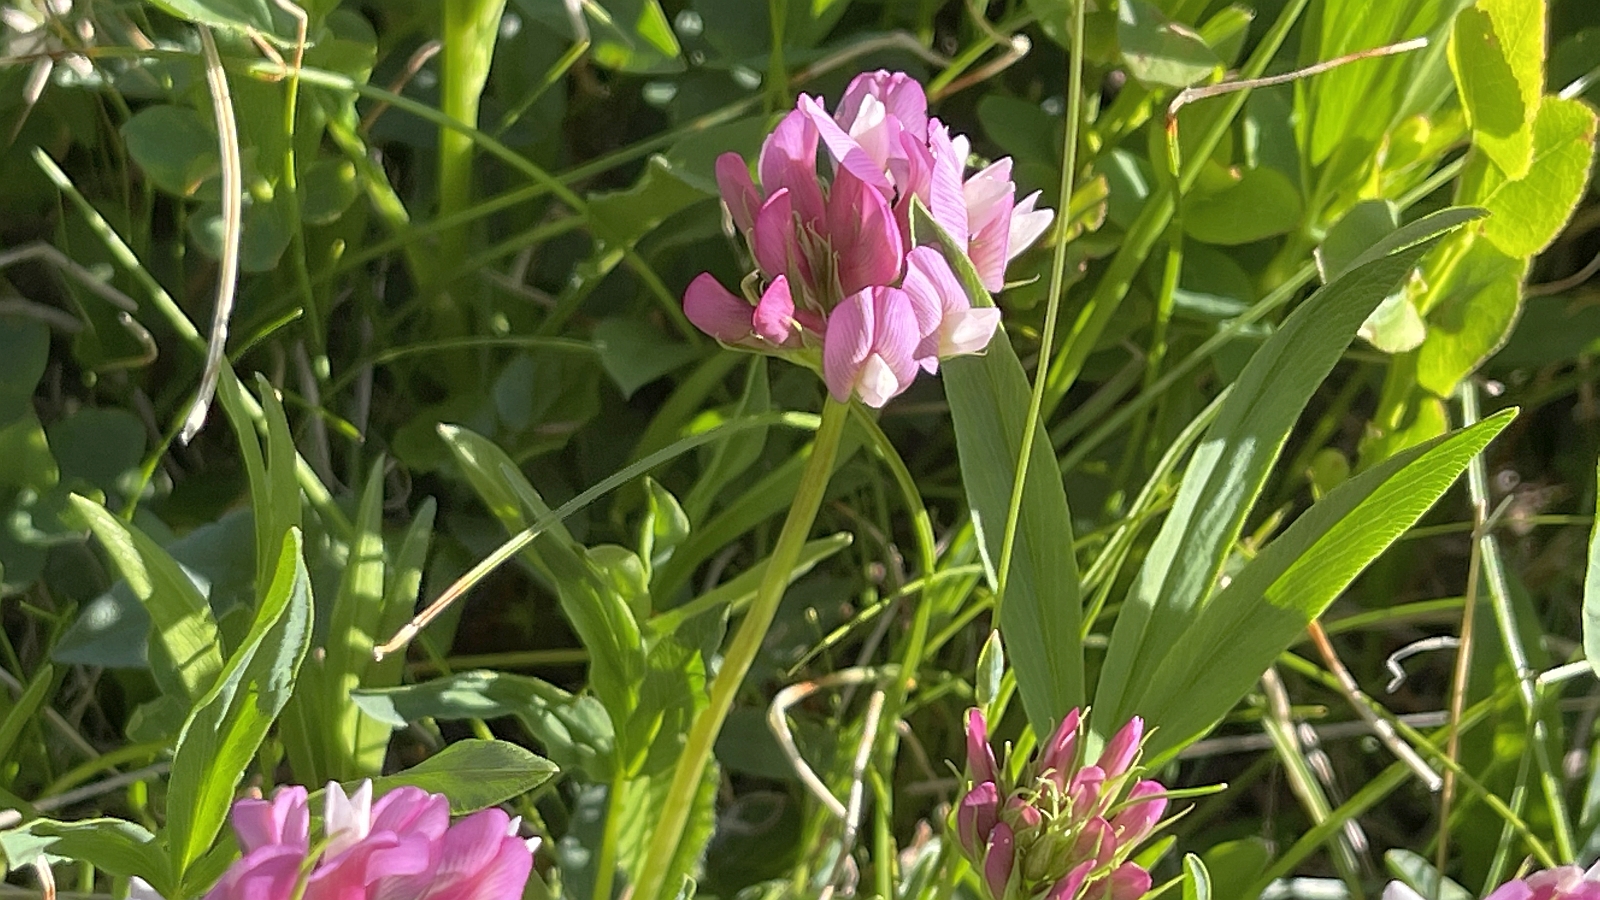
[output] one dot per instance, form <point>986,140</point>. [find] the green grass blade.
<point>228,725</point>
<point>1264,609</point>
<point>1231,465</point>
<point>354,629</point>
<point>1041,616</point>
<point>185,650</point>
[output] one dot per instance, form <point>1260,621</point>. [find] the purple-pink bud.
<point>1129,882</point>
<point>1083,792</point>
<point>1146,803</point>
<point>1060,754</point>
<point>1122,748</point>
<point>1067,887</point>
<point>980,756</point>
<point>1095,842</point>
<point>998,860</point>
<point>1021,814</point>
<point>976,816</point>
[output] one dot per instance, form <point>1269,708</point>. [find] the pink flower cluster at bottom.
<point>401,847</point>
<point>1065,829</point>
<point>1560,883</point>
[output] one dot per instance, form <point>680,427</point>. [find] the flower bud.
<point>1146,803</point>
<point>976,817</point>
<point>980,757</point>
<point>1095,842</point>
<point>1122,748</point>
<point>998,860</point>
<point>1021,814</point>
<point>1067,887</point>
<point>1060,754</point>
<point>1083,793</point>
<point>1129,882</point>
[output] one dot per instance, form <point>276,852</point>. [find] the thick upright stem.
<point>470,30</point>
<point>741,653</point>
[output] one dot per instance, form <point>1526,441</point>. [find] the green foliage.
<point>226,727</point>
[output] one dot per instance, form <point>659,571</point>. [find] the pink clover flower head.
<point>828,216</point>
<point>401,847</point>
<point>1061,829</point>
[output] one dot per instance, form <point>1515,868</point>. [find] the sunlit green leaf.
<point>474,774</point>
<point>1482,294</point>
<point>227,726</point>
<point>1231,464</point>
<point>1260,204</point>
<point>1497,54</point>
<point>1161,52</point>
<point>1527,213</point>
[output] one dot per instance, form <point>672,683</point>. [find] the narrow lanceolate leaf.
<point>1041,613</point>
<point>600,615</point>
<point>1231,464</point>
<point>353,630</point>
<point>1236,636</point>
<point>185,652</point>
<point>1591,595</point>
<point>474,774</point>
<point>114,846</point>
<point>226,728</point>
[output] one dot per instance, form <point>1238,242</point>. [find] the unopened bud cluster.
<point>1062,830</point>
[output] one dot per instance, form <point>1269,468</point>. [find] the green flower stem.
<point>741,653</point>
<point>470,30</point>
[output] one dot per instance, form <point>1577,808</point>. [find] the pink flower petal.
<point>716,311</point>
<point>346,819</point>
<point>1067,887</point>
<point>846,152</point>
<point>1060,753</point>
<point>901,95</point>
<point>412,810</point>
<point>1027,224</point>
<point>999,858</point>
<point>846,344</point>
<point>946,198</point>
<point>283,820</point>
<point>976,816</point>
<point>1129,882</point>
<point>1123,747</point>
<point>1145,808</point>
<point>478,861</point>
<point>774,315</point>
<point>789,160</point>
<point>738,191</point>
<point>863,235</point>
<point>267,873</point>
<point>774,235</point>
<point>868,348</point>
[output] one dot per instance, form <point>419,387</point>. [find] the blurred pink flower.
<point>402,847</point>
<point>1560,883</point>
